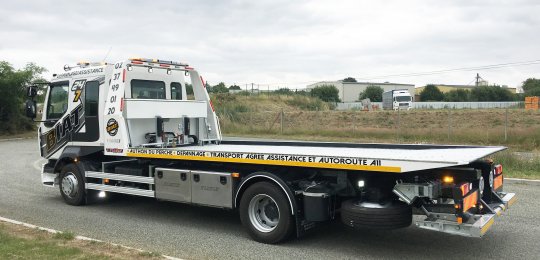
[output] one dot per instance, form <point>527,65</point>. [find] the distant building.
<point>350,91</point>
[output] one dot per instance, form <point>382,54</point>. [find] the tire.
<point>391,215</point>
<point>72,185</point>
<point>266,214</point>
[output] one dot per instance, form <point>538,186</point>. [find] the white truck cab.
<point>97,105</point>
<point>399,99</point>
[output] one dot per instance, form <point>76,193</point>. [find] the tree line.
<point>531,87</point>
<point>329,93</point>
<point>13,94</point>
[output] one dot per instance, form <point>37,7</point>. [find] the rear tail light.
<point>498,177</point>
<point>498,169</point>
<point>465,188</point>
<point>465,197</point>
<point>498,182</point>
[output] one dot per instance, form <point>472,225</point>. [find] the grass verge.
<point>518,167</point>
<point>18,242</point>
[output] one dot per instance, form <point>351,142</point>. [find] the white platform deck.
<point>369,157</point>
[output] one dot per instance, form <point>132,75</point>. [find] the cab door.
<point>60,118</point>
<point>90,100</point>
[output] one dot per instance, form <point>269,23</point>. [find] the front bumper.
<point>48,177</point>
<point>476,226</point>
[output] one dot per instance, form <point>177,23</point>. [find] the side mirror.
<point>31,91</point>
<point>31,108</point>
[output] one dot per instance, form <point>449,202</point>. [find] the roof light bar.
<point>140,60</point>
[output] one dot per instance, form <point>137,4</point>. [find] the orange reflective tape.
<point>470,201</point>
<point>497,182</point>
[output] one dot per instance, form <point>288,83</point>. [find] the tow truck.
<point>148,128</point>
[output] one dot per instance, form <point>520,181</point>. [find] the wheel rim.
<point>70,185</point>
<point>263,213</point>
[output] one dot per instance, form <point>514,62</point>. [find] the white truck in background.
<point>133,128</point>
<point>398,99</point>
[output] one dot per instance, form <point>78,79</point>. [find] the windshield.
<point>403,98</point>
<point>57,104</point>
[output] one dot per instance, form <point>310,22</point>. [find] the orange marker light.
<point>235,175</point>
<point>448,179</point>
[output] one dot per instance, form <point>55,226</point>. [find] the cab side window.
<point>91,98</point>
<point>176,91</point>
<point>57,104</point>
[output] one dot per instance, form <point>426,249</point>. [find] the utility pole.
<point>252,88</point>
<point>477,79</point>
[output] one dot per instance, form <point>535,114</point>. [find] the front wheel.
<point>72,185</point>
<point>265,213</point>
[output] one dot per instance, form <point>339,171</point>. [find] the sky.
<point>288,43</point>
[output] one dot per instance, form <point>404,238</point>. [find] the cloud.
<point>285,43</point>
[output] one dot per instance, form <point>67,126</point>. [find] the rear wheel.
<point>72,185</point>
<point>389,215</point>
<point>265,213</point>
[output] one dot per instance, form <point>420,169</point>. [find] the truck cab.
<point>84,104</point>
<point>402,100</point>
<point>397,100</point>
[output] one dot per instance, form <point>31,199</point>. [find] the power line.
<point>435,72</point>
<point>425,73</point>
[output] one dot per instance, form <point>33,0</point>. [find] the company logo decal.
<point>112,127</point>
<point>114,150</point>
<point>63,130</point>
<point>78,87</point>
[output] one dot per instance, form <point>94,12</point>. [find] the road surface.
<point>201,233</point>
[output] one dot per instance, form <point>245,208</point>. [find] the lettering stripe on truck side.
<point>377,168</point>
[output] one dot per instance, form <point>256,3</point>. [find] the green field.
<point>305,118</point>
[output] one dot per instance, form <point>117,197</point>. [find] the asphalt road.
<point>201,233</point>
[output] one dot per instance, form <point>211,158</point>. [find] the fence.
<point>516,127</point>
<point>441,105</point>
